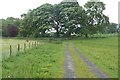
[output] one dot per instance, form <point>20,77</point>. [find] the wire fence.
<point>14,49</point>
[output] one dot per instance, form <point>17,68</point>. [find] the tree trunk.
<point>57,33</point>
<point>86,35</point>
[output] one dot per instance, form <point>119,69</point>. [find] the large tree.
<point>26,24</point>
<point>42,19</point>
<point>96,19</point>
<point>37,22</point>
<point>65,19</point>
<point>74,18</point>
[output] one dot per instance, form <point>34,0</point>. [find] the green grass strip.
<point>46,61</point>
<point>81,67</point>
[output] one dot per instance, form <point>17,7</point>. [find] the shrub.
<point>12,30</point>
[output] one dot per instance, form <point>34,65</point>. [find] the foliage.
<point>12,31</point>
<point>65,19</point>
<point>111,28</point>
<point>96,19</point>
<point>6,23</point>
<point>62,20</point>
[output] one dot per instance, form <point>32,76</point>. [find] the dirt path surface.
<point>91,65</point>
<point>69,65</point>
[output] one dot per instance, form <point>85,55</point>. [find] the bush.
<point>12,31</point>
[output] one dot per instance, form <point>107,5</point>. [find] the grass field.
<point>103,52</point>
<point>5,45</point>
<point>47,60</point>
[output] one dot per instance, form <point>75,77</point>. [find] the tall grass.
<point>5,45</point>
<point>45,61</point>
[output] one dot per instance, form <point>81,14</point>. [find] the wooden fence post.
<point>32,44</point>
<point>35,43</point>
<point>29,44</point>
<point>24,46</point>
<point>18,47</point>
<point>10,50</point>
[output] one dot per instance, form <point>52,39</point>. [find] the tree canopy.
<point>62,20</point>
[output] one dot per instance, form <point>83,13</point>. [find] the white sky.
<point>14,8</point>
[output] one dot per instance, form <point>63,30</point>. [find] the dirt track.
<point>69,65</point>
<point>70,69</point>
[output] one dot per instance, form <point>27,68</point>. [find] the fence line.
<point>24,46</point>
<point>10,50</point>
<point>19,47</point>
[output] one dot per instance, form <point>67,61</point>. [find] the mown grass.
<point>102,52</point>
<point>46,61</point>
<point>81,67</point>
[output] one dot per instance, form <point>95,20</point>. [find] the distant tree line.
<point>10,27</point>
<point>65,19</point>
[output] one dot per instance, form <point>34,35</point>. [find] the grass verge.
<point>46,61</point>
<point>102,52</point>
<point>81,67</point>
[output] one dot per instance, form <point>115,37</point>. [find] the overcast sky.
<point>14,8</point>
